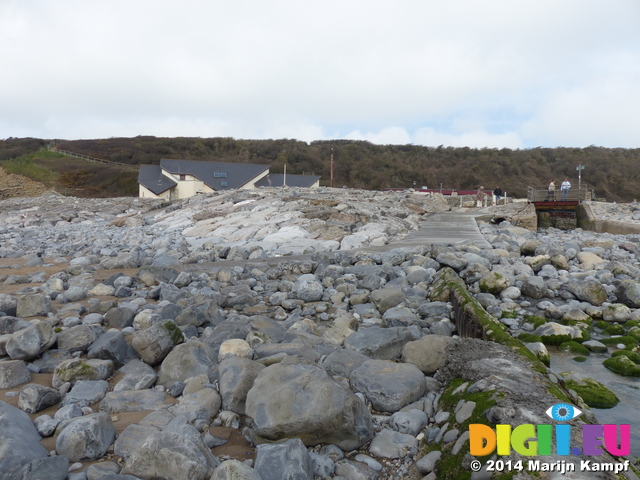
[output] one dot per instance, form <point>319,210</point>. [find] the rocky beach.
<point>282,333</point>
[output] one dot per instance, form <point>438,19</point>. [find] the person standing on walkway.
<point>564,188</point>
<point>551,195</point>
<point>497,192</point>
<point>480,196</point>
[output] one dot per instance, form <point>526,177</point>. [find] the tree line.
<point>614,173</point>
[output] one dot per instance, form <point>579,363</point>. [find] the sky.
<point>476,73</point>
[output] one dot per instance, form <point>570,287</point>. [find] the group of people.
<point>564,189</point>
<point>480,195</point>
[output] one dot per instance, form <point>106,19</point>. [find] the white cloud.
<point>497,71</point>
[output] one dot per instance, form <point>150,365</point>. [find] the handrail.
<point>53,148</point>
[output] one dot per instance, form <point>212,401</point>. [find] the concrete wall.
<point>588,221</point>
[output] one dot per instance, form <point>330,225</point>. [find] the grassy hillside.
<point>74,176</point>
<point>614,173</point>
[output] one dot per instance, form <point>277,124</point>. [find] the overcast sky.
<point>477,73</point>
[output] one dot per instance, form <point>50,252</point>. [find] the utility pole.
<point>331,167</point>
<point>579,168</point>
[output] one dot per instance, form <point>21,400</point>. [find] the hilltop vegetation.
<point>614,173</point>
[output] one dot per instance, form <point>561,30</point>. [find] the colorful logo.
<point>533,440</point>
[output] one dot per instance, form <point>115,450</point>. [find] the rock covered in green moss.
<point>574,347</point>
<point>633,356</point>
<point>494,282</point>
<point>616,312</point>
<point>615,329</point>
<point>594,394</point>
<point>622,365</point>
<point>526,337</point>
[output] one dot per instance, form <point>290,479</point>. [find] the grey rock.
<point>119,317</point>
<point>13,373</point>
<point>303,401</point>
<point>390,444</point>
<point>308,288</point>
<point>428,463</point>
<point>411,422</point>
<point>86,392</point>
<point>588,290</point>
<point>452,259</point>
<point>628,292</point>
<point>45,425</point>
<point>19,442</point>
<point>348,469</point>
<point>33,305</point>
<point>10,324</point>
<point>67,412</point>
<point>76,339</point>
<point>113,346</point>
<point>137,376</point>
<point>8,305</point>
<point>237,375</point>
<point>379,343</point>
<point>201,405</point>
<point>185,361</point>
<point>288,459</point>
<point>428,353</point>
<point>233,470</point>
<point>34,398</point>
<point>100,470</point>
<point>167,456</point>
<point>132,438</point>
<point>389,386</point>
<point>86,437</point>
<point>342,362</point>
<point>386,298</point>
<point>29,343</point>
<point>75,294</point>
<point>534,287</point>
<point>133,401</point>
<point>153,344</point>
<point>77,369</point>
<point>50,468</point>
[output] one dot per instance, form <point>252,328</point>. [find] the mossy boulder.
<point>591,291</point>
<point>633,356</point>
<point>77,369</point>
<point>574,347</point>
<point>601,324</point>
<point>579,358</point>
<point>535,320</point>
<point>594,394</point>
<point>494,283</point>
<point>634,332</point>
<point>622,365</point>
<point>529,337</point>
<point>553,333</point>
<point>615,329</point>
<point>616,312</point>
<point>623,340</point>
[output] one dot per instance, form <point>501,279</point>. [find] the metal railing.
<point>574,194</point>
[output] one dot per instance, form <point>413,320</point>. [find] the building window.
<point>223,184</point>
<point>223,175</point>
<point>183,176</point>
<point>216,174</point>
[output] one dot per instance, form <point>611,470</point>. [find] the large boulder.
<point>494,282</point>
<point>534,287</point>
<point>289,401</point>
<point>388,385</point>
<point>33,305</point>
<point>76,339</point>
<point>588,290</point>
<point>387,298</point>
<point>237,375</point>
<point>628,292</point>
<point>185,361</point>
<point>77,369</point>
<point>153,344</point>
<point>13,373</point>
<point>288,459</point>
<point>380,343</point>
<point>87,437</point>
<point>19,442</point>
<point>34,397</point>
<point>428,353</point>
<point>29,343</point>
<point>168,456</point>
<point>308,288</point>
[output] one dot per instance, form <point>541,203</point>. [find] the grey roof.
<point>151,177</point>
<point>277,180</point>
<point>214,174</point>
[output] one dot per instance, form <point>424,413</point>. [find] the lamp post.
<point>579,168</point>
